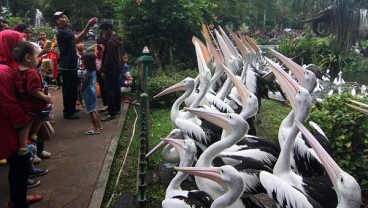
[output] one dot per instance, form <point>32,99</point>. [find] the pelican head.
<point>187,83</point>
<point>228,121</point>
<point>347,188</point>
<point>181,146</point>
<point>175,134</point>
<point>226,176</point>
<point>305,77</point>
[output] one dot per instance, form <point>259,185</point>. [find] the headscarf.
<point>8,39</point>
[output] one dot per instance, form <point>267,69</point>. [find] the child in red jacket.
<point>30,92</point>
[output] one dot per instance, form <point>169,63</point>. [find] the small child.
<point>89,91</point>
<point>126,79</point>
<point>30,93</point>
<point>47,71</point>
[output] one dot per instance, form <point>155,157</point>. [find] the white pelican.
<point>169,153</point>
<point>348,191</point>
<point>232,123</point>
<point>318,188</point>
<point>175,196</point>
<point>227,177</point>
<point>305,160</point>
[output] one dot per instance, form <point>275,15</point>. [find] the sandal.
<point>34,198</point>
<point>93,128</point>
<point>92,132</point>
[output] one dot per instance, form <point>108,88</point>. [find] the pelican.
<point>187,85</point>
<point>175,196</point>
<point>231,122</point>
<point>339,81</point>
<point>169,153</point>
<point>347,189</point>
<point>305,160</point>
<point>227,177</point>
<point>318,188</point>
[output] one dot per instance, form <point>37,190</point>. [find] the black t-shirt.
<point>68,54</point>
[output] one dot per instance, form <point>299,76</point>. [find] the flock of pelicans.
<point>213,139</point>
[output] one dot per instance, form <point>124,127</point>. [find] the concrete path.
<point>80,164</point>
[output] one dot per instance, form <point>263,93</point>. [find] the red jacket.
<point>11,113</point>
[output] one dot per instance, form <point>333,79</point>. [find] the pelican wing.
<point>284,194</point>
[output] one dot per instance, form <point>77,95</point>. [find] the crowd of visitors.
<point>26,70</point>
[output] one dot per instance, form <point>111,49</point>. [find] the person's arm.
<point>41,96</point>
<point>84,32</point>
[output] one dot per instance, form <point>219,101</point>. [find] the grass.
<point>271,115</point>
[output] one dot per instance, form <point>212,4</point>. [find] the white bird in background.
<point>339,81</point>
<point>326,76</point>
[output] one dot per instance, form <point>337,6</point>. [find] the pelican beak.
<point>224,48</point>
<point>242,89</point>
<point>332,168</point>
<point>212,173</point>
<point>217,118</point>
<point>252,44</point>
<point>178,144</point>
<point>157,147</point>
<point>289,86</point>
<point>203,49</point>
<point>295,68</point>
<point>176,87</point>
<point>242,48</point>
<point>359,106</point>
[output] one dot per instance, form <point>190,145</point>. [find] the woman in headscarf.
<point>11,117</point>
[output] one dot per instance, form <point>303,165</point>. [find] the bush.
<point>48,30</point>
<point>324,53</point>
<point>347,130</point>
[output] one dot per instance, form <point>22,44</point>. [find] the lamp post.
<point>146,67</point>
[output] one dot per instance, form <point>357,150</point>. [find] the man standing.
<point>111,69</point>
<point>68,60</point>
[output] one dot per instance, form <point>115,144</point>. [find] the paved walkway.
<point>79,166</point>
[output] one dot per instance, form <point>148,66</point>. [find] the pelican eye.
<point>298,91</point>
<point>342,180</point>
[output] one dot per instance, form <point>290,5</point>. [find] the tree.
<point>166,27</point>
<point>342,21</point>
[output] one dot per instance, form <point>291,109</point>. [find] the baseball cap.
<point>58,14</point>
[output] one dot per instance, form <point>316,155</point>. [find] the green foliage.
<point>166,27</point>
<point>48,30</point>
<point>322,52</point>
<point>347,130</point>
<point>14,21</point>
